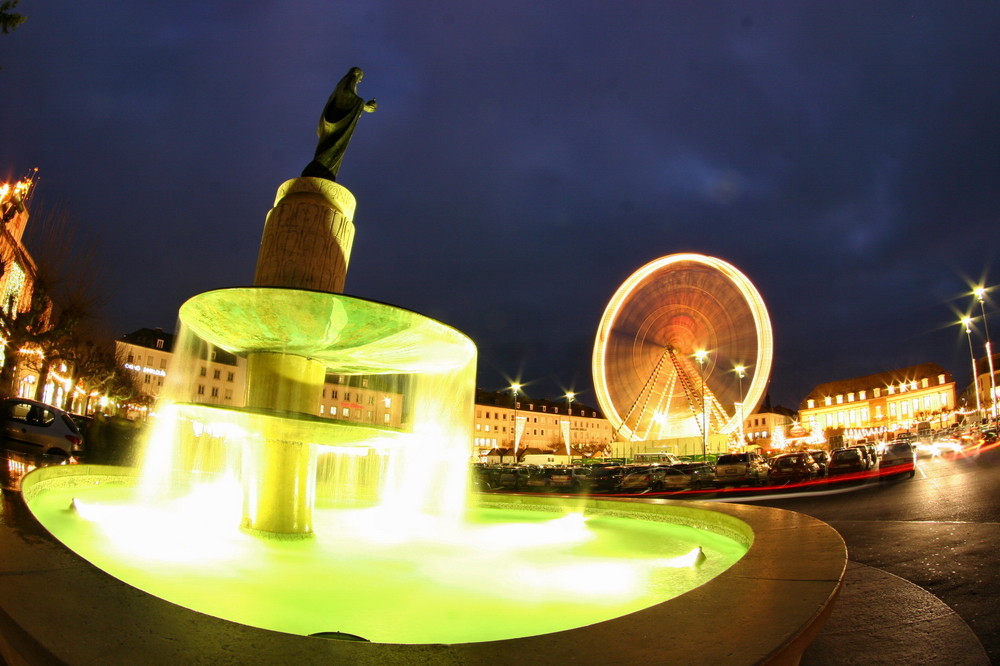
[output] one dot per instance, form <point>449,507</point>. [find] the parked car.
<point>567,477</point>
<point>513,478</point>
<point>734,469</point>
<point>898,458</point>
<point>793,468</point>
<point>656,478</point>
<point>603,477</point>
<point>867,456</point>
<point>822,459</point>
<point>846,461</point>
<point>29,425</point>
<point>702,474</point>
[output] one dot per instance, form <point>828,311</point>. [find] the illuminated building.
<point>145,354</point>
<point>876,406</point>
<point>19,270</point>
<point>544,425</point>
<point>769,427</point>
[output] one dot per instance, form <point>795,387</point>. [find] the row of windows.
<point>892,389</point>
<point>897,409</point>
<point>216,374</point>
<point>227,395</point>
<point>347,413</point>
<point>359,396</point>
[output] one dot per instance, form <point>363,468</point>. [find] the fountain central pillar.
<point>306,245</point>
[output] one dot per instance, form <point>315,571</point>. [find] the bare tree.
<point>63,296</point>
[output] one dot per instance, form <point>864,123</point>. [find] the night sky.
<point>527,157</point>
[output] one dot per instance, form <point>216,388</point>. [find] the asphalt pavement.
<point>922,582</point>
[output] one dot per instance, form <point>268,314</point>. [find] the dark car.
<point>899,458</point>
<point>514,478</point>
<point>656,478</point>
<point>793,468</point>
<point>734,469</point>
<point>702,474</point>
<point>846,461</point>
<point>567,477</point>
<point>603,478</point>
<point>867,455</point>
<point>29,425</point>
<point>822,459</point>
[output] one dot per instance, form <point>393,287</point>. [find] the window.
<point>840,399</point>
<point>877,392</point>
<point>217,374</point>
<point>862,395</point>
<point>201,389</point>
<point>159,344</point>
<point>827,401</point>
<point>204,371</point>
<point>811,404</point>
<point>333,394</point>
<point>215,392</point>
<point>940,379</point>
<point>229,377</point>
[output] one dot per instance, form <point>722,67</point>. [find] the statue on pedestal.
<point>336,125</point>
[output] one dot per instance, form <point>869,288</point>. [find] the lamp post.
<point>980,293</point>
<point>972,355</point>
<point>569,421</point>
<point>701,356</point>
<point>741,372</point>
<point>514,388</point>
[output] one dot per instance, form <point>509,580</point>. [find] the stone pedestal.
<point>307,237</point>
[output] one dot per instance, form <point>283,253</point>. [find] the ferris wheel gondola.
<point>684,343</point>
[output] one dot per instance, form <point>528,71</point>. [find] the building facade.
<point>878,406</point>
<point>503,422</point>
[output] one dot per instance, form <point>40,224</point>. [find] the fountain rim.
<point>783,589</point>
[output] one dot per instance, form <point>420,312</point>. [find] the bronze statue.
<point>336,126</point>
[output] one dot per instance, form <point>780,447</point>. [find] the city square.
<point>325,468</point>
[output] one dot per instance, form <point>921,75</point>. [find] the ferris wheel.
<point>685,343</point>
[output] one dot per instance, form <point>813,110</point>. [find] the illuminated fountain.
<point>278,525</point>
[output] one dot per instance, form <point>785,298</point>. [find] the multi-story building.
<point>547,425</point>
<point>769,427</point>
<point>875,406</point>
<point>217,379</point>
<point>18,276</point>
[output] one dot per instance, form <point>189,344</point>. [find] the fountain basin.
<point>766,607</point>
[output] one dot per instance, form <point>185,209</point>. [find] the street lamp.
<point>980,293</point>
<point>702,356</point>
<point>741,372</point>
<point>569,421</point>
<point>514,389</point>
<point>975,380</point>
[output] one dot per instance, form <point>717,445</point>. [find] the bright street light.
<point>741,373</point>
<point>980,293</point>
<point>702,357</point>
<point>967,321</point>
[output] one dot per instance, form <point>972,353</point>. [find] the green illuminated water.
<point>503,574</point>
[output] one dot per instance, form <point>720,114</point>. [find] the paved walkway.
<point>880,618</point>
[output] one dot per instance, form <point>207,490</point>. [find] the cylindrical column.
<point>306,245</point>
<point>307,237</point>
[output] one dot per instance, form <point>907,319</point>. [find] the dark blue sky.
<point>527,157</point>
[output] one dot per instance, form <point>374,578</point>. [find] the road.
<point>939,530</point>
